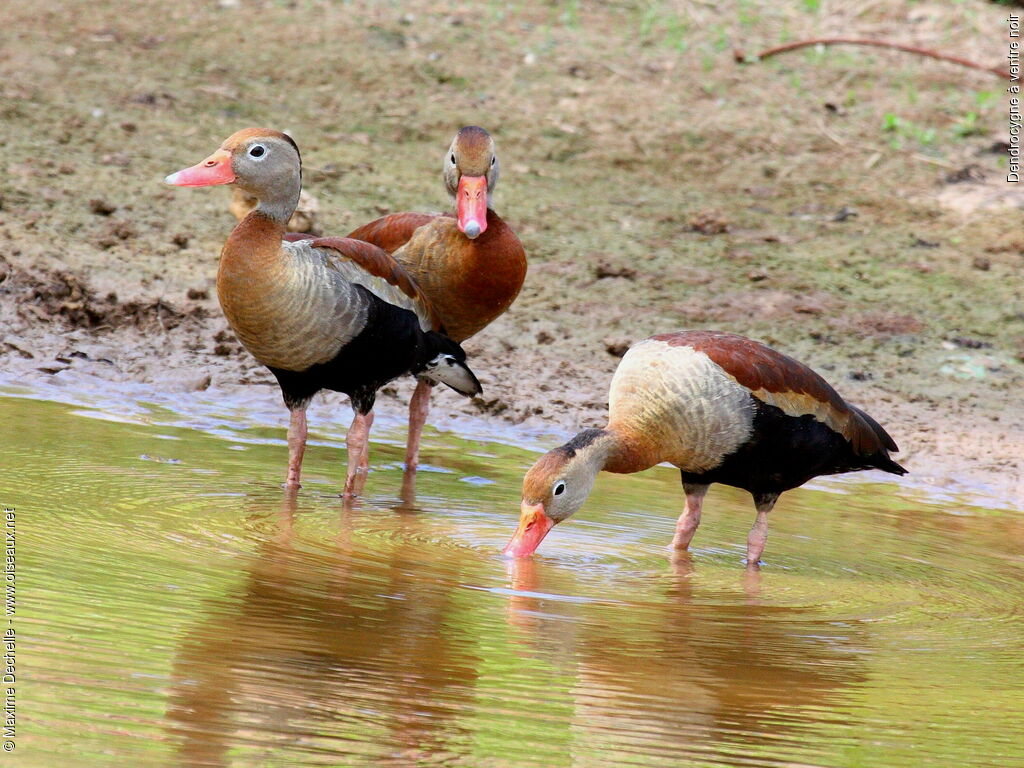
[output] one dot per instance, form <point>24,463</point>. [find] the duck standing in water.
<point>471,266</point>
<point>723,409</point>
<point>326,313</point>
<point>469,263</point>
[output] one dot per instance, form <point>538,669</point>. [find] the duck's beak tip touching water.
<point>534,525</point>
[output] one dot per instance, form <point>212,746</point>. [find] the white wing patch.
<point>797,405</point>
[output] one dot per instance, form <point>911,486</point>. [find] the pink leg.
<point>357,439</point>
<point>296,446</point>
<point>758,536</point>
<point>686,525</point>
<point>364,461</point>
<point>419,407</point>
<point>408,492</point>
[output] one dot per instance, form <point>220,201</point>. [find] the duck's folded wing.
<point>787,384</point>
<point>365,264</point>
<point>393,231</point>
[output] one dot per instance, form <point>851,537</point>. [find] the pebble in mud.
<point>101,207</point>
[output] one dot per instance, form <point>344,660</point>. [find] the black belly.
<point>390,345</point>
<point>783,452</point>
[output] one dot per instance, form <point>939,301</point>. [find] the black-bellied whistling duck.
<point>722,408</point>
<point>471,266</point>
<point>327,313</point>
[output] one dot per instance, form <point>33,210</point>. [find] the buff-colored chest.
<point>679,405</point>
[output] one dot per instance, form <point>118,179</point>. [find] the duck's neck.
<point>279,197</point>
<point>252,260</point>
<point>255,240</point>
<point>610,450</point>
<point>258,236</point>
<point>280,207</point>
<point>616,450</point>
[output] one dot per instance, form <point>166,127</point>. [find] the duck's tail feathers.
<point>448,366</point>
<point>445,369</point>
<point>882,461</point>
<point>880,458</point>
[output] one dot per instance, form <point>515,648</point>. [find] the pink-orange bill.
<point>534,525</point>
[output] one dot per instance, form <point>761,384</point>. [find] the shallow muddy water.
<point>176,608</point>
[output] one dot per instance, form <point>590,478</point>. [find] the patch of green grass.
<point>972,122</point>
<point>985,99</point>
<point>666,28</point>
<point>968,126</point>
<point>722,42</point>
<point>746,15</point>
<point>569,13</point>
<point>905,129</point>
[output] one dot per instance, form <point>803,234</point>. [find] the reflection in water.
<point>327,655</point>
<point>687,675</point>
<point>407,494</point>
<point>364,654</point>
<point>203,623</point>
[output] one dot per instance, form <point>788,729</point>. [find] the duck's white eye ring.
<point>257,151</point>
<point>559,488</point>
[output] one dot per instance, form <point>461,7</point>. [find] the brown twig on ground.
<point>741,58</point>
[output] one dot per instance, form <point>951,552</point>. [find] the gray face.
<point>562,483</point>
<point>465,159</point>
<point>267,167</point>
<point>570,490</point>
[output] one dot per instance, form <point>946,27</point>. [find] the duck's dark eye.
<point>453,158</point>
<point>559,489</point>
<point>494,160</point>
<point>257,151</point>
